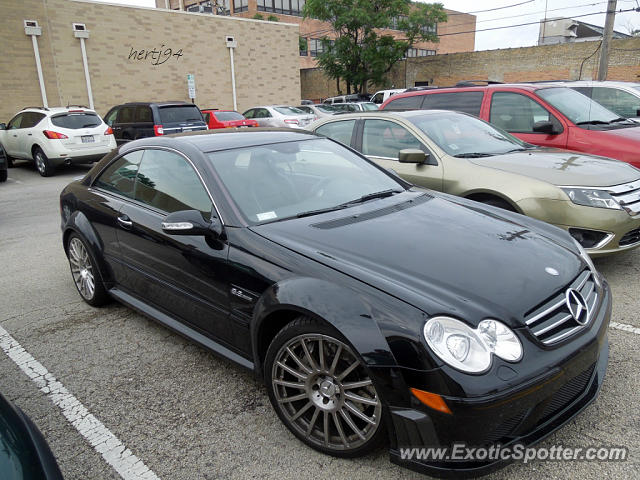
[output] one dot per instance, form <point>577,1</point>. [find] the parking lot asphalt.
<point>188,414</point>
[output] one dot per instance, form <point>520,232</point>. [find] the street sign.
<point>191,85</point>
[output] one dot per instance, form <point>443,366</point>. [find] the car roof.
<point>54,110</point>
<point>390,113</point>
<point>212,141</point>
<point>159,104</point>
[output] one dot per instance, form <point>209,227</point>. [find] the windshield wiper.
<point>593,122</point>
<point>474,155</point>
<point>318,211</point>
<point>620,119</point>
<point>371,196</point>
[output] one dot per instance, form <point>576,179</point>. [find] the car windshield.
<point>180,114</point>
<point>577,107</point>
<point>327,108</point>
<point>76,120</point>
<point>285,180</point>
<point>369,106</point>
<point>289,110</point>
<point>463,135</point>
<point>228,116</point>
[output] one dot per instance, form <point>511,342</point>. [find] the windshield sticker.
<point>266,216</point>
<point>453,146</point>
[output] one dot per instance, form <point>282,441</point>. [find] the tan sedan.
<point>596,199</point>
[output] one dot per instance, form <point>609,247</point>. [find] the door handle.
<point>29,134</point>
<point>125,222</point>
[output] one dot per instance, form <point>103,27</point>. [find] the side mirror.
<point>190,222</point>
<point>414,155</point>
<point>544,127</point>
<point>3,126</point>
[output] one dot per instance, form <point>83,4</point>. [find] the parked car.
<point>544,114</point>
<point>356,106</point>
<point>279,116</point>
<point>382,96</point>
<point>215,119</point>
<point>4,165</point>
<point>597,200</point>
<point>56,136</point>
<point>134,120</point>
<point>373,310</point>
<point>25,454</point>
<point>354,97</point>
<point>319,111</point>
<point>623,98</point>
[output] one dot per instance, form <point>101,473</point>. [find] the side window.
<point>31,119</point>
<point>583,90</point>
<point>207,117</point>
<point>467,102</point>
<point>168,182</point>
<point>518,113</point>
<point>120,176</point>
<point>263,113</point>
<point>378,98</point>
<point>382,138</point>
<point>144,114</point>
<point>15,122</point>
<point>126,115</point>
<point>407,103</point>
<point>111,117</point>
<point>618,101</point>
<point>249,113</point>
<point>339,131</point>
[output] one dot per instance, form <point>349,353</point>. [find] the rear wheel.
<point>43,164</point>
<point>85,272</point>
<point>321,390</point>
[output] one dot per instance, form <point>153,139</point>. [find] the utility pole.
<point>606,40</point>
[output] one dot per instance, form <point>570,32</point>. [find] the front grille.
<point>628,196</point>
<point>504,429</point>
<point>552,321</point>
<point>567,393</point>
<point>630,238</point>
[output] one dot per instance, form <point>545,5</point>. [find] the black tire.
<point>9,161</point>
<point>325,399</point>
<point>83,269</point>
<point>3,176</point>
<point>499,203</point>
<point>42,163</point>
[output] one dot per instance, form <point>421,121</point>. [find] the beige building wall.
<point>133,56</point>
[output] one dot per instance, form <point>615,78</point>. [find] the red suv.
<point>542,114</point>
<point>226,119</point>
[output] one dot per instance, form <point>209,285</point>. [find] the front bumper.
<point>523,415</point>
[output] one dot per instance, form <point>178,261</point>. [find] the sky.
<point>527,12</point>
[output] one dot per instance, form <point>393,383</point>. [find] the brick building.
<point>312,31</point>
<point>141,54</point>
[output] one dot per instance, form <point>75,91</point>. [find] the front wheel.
<point>43,164</point>
<point>321,390</point>
<point>85,273</point>
<point>3,176</point>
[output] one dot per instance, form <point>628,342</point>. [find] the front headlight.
<point>470,349</point>
<point>591,198</point>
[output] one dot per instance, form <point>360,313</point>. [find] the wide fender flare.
<point>80,224</point>
<point>348,311</point>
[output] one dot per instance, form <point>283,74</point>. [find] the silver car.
<point>356,106</point>
<point>279,116</point>
<point>320,111</point>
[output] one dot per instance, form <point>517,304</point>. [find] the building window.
<point>286,7</point>
<point>419,52</point>
<point>224,7</point>
<point>304,48</point>
<point>316,46</point>
<point>433,28</point>
<point>240,6</point>
<point>201,7</point>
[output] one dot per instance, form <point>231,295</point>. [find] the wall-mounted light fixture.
<point>32,29</point>
<point>80,31</point>
<point>231,45</point>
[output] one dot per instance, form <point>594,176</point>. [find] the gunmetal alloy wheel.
<point>324,394</point>
<point>82,269</point>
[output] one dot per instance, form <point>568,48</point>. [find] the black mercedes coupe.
<point>373,310</point>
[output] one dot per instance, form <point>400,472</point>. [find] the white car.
<point>622,98</point>
<point>56,136</point>
<point>381,96</point>
<point>279,116</point>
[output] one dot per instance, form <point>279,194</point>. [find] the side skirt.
<point>179,327</point>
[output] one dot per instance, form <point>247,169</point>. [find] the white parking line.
<point>625,328</point>
<point>114,452</point>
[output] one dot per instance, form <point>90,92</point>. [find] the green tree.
<point>363,53</point>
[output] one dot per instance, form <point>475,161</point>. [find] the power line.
<point>491,9</point>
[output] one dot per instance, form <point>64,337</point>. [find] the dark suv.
<point>134,120</point>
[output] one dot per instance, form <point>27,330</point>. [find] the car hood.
<point>441,254</point>
<point>562,167</point>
